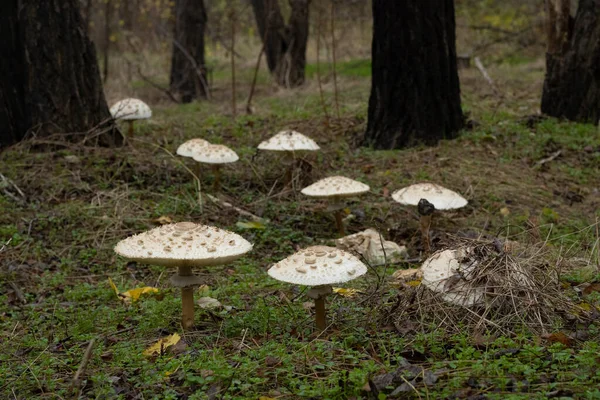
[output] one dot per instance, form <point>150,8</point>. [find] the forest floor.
<point>62,211</point>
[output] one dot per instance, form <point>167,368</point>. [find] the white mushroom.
<point>190,149</point>
<point>335,188</point>
<point>289,142</point>
<point>184,245</point>
<point>215,155</point>
<point>319,267</point>
<point>130,110</point>
<point>428,197</point>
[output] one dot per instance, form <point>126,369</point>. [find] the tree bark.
<point>572,83</point>
<point>415,91</point>
<point>285,45</point>
<point>188,68</point>
<point>49,77</point>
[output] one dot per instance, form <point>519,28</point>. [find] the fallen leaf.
<point>594,287</point>
<point>558,337</point>
<point>208,302</point>
<point>504,211</point>
<point>346,292</point>
<point>203,290</point>
<point>163,220</point>
<point>162,344</point>
<point>132,294</point>
<point>414,283</point>
<point>266,398</point>
<point>250,225</point>
<point>407,274</point>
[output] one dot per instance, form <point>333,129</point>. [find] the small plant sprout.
<point>190,149</point>
<point>428,197</point>
<point>289,142</point>
<point>334,189</point>
<point>130,110</point>
<point>319,267</point>
<point>184,245</point>
<point>215,155</point>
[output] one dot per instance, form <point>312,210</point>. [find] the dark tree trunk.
<point>285,45</point>
<point>49,78</point>
<point>572,84</point>
<point>415,92</point>
<point>188,69</point>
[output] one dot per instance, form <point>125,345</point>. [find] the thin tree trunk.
<point>49,76</point>
<point>285,45</point>
<point>107,11</point>
<point>572,83</point>
<point>188,69</point>
<point>415,92</point>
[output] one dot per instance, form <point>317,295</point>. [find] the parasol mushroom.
<point>215,155</point>
<point>184,245</point>
<point>130,110</point>
<point>190,149</point>
<point>334,189</point>
<point>428,197</point>
<point>319,267</point>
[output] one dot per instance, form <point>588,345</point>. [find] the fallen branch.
<point>82,366</point>
<point>487,77</point>
<point>237,209</point>
<point>549,158</point>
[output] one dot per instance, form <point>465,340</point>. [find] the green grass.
<point>59,256</point>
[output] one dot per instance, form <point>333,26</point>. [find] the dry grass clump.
<point>517,286</point>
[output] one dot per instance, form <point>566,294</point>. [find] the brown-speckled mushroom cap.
<point>191,147</point>
<point>215,154</point>
<point>184,244</point>
<point>335,186</point>
<point>289,141</point>
<point>318,265</point>
<point>130,109</point>
<point>439,196</point>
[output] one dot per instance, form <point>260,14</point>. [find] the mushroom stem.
<point>339,222</point>
<point>318,293</point>
<point>289,172</point>
<point>425,210</point>
<point>130,129</point>
<point>187,300</point>
<point>217,181</point>
<point>320,316</point>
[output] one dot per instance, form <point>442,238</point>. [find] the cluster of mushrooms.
<point>186,244</point>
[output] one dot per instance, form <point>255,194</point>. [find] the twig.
<point>84,362</point>
<point>487,77</point>
<point>237,209</point>
<point>549,158</point>
<point>156,85</point>
<point>335,88</point>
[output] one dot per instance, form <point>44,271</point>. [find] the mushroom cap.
<point>440,197</point>
<point>289,141</point>
<point>445,272</point>
<point>215,154</point>
<point>130,109</point>
<point>318,265</point>
<point>184,244</point>
<point>191,147</point>
<point>335,186</point>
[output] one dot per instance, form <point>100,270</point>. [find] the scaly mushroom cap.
<point>448,273</point>
<point>318,265</point>
<point>130,109</point>
<point>191,147</point>
<point>335,186</point>
<point>440,197</point>
<point>215,154</point>
<point>289,141</point>
<point>184,244</point>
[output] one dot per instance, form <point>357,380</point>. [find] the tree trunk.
<point>572,83</point>
<point>415,92</point>
<point>188,69</point>
<point>285,45</point>
<point>49,77</point>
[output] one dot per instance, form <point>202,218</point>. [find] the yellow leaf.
<point>134,294</point>
<point>504,211</point>
<point>203,290</point>
<point>266,398</point>
<point>346,292</point>
<point>585,306</point>
<point>113,38</point>
<point>112,285</point>
<point>414,283</point>
<point>163,220</point>
<point>162,344</point>
<point>250,225</point>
